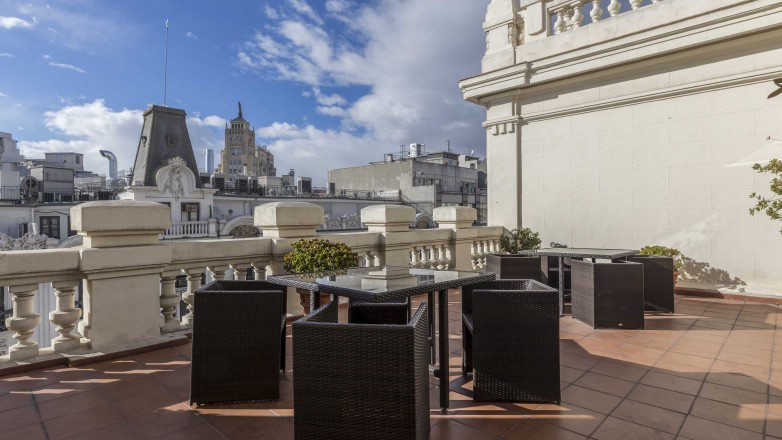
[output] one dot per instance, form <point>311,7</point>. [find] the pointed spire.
<point>240,108</point>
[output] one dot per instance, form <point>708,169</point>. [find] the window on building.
<point>189,212</point>
<point>50,226</point>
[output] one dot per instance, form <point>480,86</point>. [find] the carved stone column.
<point>240,271</point>
<point>169,301</point>
<point>193,284</point>
<point>23,322</point>
<point>65,316</point>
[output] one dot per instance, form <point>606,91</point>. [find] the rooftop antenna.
<point>165,69</point>
<point>448,143</point>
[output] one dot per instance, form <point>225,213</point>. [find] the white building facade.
<point>637,123</point>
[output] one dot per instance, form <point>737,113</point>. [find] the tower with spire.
<point>241,156</point>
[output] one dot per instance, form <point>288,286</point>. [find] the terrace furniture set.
<point>369,378</point>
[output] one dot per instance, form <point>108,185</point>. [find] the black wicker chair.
<point>608,295</point>
<point>658,282</point>
<point>511,340</point>
<point>360,381</point>
<point>514,267</point>
<point>396,311</point>
<point>549,268</point>
<point>238,342</point>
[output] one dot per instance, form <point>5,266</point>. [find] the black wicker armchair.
<point>238,342</point>
<point>608,295</point>
<point>360,381</point>
<point>658,282</point>
<point>511,340</point>
<point>513,266</point>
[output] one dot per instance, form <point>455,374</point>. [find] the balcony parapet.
<point>127,275</point>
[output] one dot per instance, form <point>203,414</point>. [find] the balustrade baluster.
<point>614,7</point>
<point>597,12</point>
<point>240,271</point>
<point>218,272</point>
<point>559,24</point>
<point>23,322</point>
<point>259,270</point>
<point>65,316</point>
<point>414,257</point>
<point>474,254</point>
<point>577,18</point>
<point>635,4</point>
<point>169,300</point>
<point>193,284</point>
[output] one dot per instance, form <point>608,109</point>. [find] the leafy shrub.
<point>771,206</point>
<point>316,255</point>
<point>678,258</point>
<point>519,240</point>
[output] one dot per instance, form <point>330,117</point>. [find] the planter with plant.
<point>314,256</point>
<point>511,265</point>
<point>663,251</point>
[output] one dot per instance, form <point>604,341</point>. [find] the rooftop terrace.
<point>710,371</point>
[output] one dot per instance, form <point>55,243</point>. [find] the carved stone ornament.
<point>175,178</point>
<point>26,242</point>
<point>171,140</point>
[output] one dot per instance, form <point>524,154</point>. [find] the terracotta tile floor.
<point>711,371</point>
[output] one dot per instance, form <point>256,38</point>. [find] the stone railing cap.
<point>388,214</point>
<point>288,214</point>
<point>120,215</point>
<point>454,214</point>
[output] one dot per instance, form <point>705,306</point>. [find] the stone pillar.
<point>281,220</point>
<point>459,220</point>
<point>393,222</point>
<point>193,284</point>
<point>212,227</point>
<point>169,301</point>
<point>65,316</point>
<point>122,260</point>
<point>23,322</point>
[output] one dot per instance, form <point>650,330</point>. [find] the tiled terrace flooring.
<point>711,371</point>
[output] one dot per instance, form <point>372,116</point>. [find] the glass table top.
<point>582,252</point>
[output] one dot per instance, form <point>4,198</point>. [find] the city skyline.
<point>325,84</point>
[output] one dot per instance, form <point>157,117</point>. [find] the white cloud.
<point>192,36</point>
<point>12,22</point>
<point>6,55</point>
<point>271,13</point>
<point>303,8</point>
<point>93,126</point>
<point>408,63</point>
<point>67,67</point>
<point>3,95</point>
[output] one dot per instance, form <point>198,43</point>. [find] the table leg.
<point>314,300</point>
<point>561,270</point>
<point>432,349</point>
<point>445,368</point>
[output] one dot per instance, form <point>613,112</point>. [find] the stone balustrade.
<point>128,274</point>
<point>194,229</point>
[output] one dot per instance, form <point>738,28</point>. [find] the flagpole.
<point>165,69</point>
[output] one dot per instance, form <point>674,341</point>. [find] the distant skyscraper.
<point>209,160</point>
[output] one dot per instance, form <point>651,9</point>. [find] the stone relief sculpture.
<point>175,178</point>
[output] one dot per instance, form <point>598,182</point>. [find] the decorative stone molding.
<point>455,217</point>
<point>288,219</point>
<point>388,218</point>
<point>119,223</point>
<point>175,178</point>
<point>500,128</point>
<point>26,242</point>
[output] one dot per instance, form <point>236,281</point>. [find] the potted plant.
<point>510,265</point>
<point>663,251</point>
<point>317,255</point>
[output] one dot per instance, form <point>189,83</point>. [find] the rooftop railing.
<point>127,274</point>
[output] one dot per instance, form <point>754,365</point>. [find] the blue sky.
<point>326,83</point>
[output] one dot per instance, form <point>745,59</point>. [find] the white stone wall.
<point>641,129</point>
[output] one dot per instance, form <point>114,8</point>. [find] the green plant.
<point>519,240</point>
<point>771,206</point>
<point>318,255</point>
<point>678,258</point>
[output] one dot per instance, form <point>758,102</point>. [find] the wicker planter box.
<point>514,267</point>
<point>658,282</point>
<point>608,295</point>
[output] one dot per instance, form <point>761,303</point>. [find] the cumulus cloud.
<point>13,22</point>
<point>67,67</point>
<point>408,64</point>
<point>94,126</point>
<point>6,55</point>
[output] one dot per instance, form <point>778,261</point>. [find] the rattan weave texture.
<point>658,282</point>
<point>514,267</point>
<point>608,295</point>
<point>238,342</point>
<point>511,340</point>
<point>360,381</point>
<point>396,311</point>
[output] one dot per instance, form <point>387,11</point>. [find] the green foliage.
<point>678,258</point>
<point>771,206</point>
<point>519,240</point>
<point>317,255</point>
